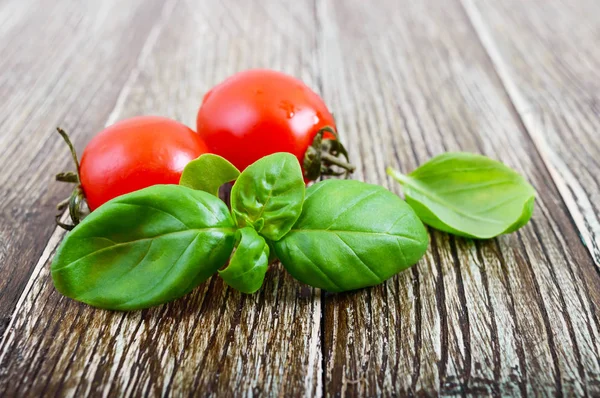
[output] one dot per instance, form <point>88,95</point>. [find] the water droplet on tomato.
<point>289,108</point>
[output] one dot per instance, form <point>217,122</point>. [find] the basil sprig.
<point>468,195</point>
<point>157,244</point>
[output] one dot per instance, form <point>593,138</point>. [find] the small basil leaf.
<point>351,235</point>
<point>248,265</point>
<point>144,248</point>
<point>268,195</point>
<point>468,195</point>
<point>208,173</point>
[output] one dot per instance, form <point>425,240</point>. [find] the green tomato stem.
<point>338,162</point>
<point>323,153</point>
<point>77,199</point>
<point>68,176</point>
<point>65,137</point>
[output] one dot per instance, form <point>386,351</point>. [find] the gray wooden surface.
<point>515,80</point>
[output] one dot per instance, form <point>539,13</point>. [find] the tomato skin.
<point>259,112</point>
<point>134,154</point>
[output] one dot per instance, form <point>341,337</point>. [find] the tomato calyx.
<point>324,154</point>
<point>76,202</point>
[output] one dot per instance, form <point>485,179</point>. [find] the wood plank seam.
<point>83,70</point>
<point>53,242</point>
<point>166,12</point>
<point>535,257</point>
<point>525,116</point>
<point>58,233</point>
<point>577,202</point>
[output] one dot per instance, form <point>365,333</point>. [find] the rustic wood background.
<point>516,80</point>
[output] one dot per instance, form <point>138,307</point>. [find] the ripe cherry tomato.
<point>134,154</point>
<point>129,155</point>
<point>259,112</point>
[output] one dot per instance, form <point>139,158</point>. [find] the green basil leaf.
<point>268,195</point>
<point>248,265</point>
<point>468,195</point>
<point>351,235</point>
<point>144,248</point>
<point>208,173</point>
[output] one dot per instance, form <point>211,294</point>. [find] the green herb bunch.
<point>157,244</point>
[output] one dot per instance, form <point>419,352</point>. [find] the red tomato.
<point>134,154</point>
<point>259,112</point>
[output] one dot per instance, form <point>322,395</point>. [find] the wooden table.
<point>516,80</point>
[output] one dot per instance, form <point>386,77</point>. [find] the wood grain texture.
<point>215,341</point>
<point>63,63</point>
<point>515,315</point>
<point>546,53</point>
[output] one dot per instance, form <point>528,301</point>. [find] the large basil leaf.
<point>144,248</point>
<point>351,235</point>
<point>208,173</point>
<point>468,195</point>
<point>268,195</point>
<point>249,263</point>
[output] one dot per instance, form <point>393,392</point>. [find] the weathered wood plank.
<point>515,315</point>
<point>549,61</point>
<point>215,341</point>
<point>63,63</point>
